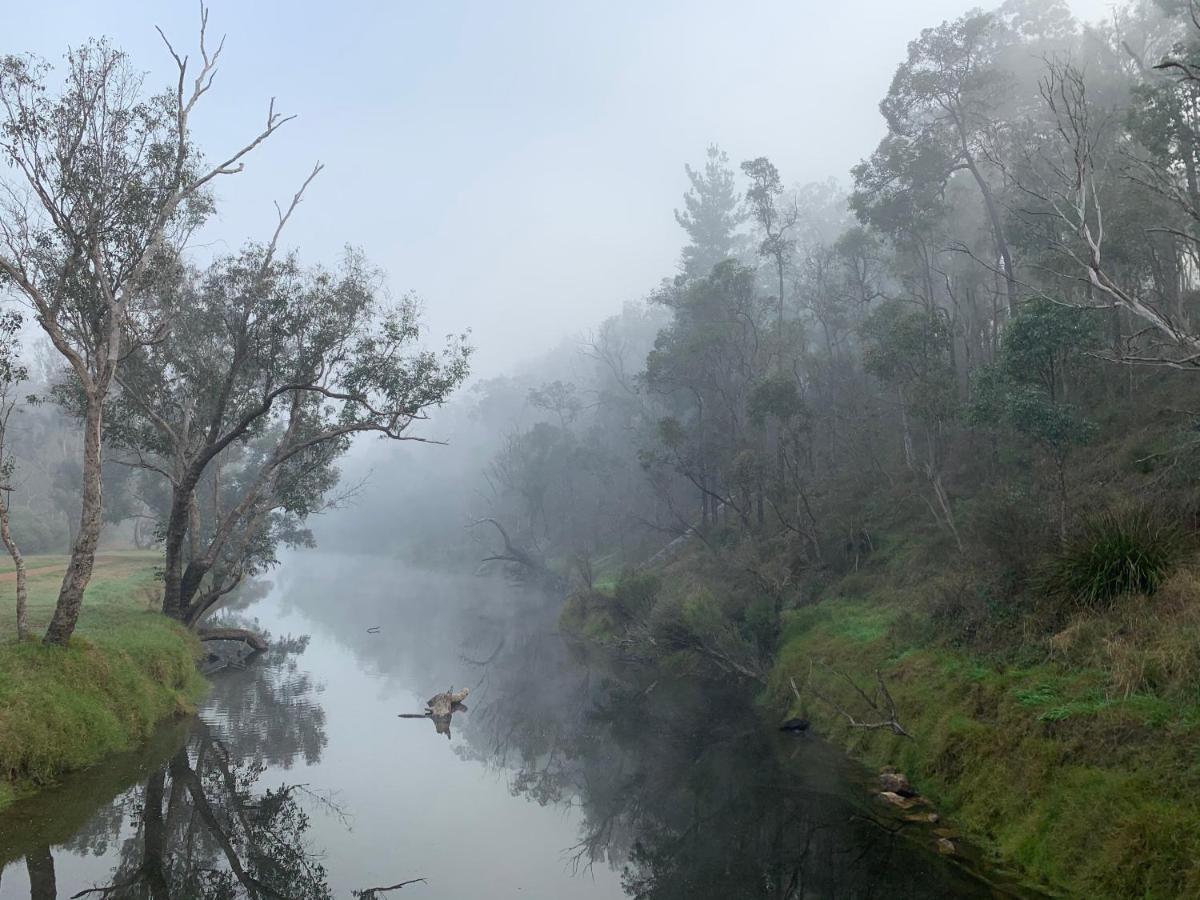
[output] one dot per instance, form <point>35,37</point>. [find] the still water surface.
<point>566,777</point>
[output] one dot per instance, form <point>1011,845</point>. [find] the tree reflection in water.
<point>687,791</point>
<point>204,824</point>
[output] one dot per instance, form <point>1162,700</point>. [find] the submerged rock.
<point>794,725</point>
<point>946,846</point>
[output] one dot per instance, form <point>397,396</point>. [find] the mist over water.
<point>565,777</point>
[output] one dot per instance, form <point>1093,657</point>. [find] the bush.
<point>636,593</point>
<point>1132,551</point>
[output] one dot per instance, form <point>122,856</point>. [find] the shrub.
<point>1130,551</point>
<point>636,593</point>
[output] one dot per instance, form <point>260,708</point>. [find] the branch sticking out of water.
<point>373,893</point>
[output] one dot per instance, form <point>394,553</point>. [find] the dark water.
<point>567,777</point>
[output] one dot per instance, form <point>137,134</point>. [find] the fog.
<point>514,164</point>
<point>708,393</point>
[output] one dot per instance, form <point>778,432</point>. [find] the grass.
<point>127,669</point>
<point>1089,790</point>
<point>1116,553</point>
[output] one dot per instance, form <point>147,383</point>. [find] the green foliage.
<point>776,397</point>
<point>910,348</point>
<point>636,593</point>
<point>1043,339</point>
<point>1028,410</point>
<point>1125,551</point>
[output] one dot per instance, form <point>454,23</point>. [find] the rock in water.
<point>897,783</point>
<point>895,799</point>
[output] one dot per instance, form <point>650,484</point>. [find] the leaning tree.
<point>102,187</point>
<point>243,408</point>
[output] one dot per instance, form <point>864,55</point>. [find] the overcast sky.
<point>514,163</point>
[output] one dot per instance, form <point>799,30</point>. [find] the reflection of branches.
<point>488,661</point>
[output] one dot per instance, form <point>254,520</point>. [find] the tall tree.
<point>775,219</point>
<point>269,369</point>
<point>105,186</point>
<point>711,215</point>
<point>940,110</point>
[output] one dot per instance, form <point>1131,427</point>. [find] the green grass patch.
<point>1089,792</point>
<point>126,669</point>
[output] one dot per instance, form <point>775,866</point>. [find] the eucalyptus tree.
<point>1069,184</point>
<point>704,366</point>
<point>909,348</point>
<point>775,218</point>
<point>104,185</point>
<point>268,370</point>
<point>940,112</point>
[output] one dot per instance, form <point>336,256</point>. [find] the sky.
<point>515,164</point>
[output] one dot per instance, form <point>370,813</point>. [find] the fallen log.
<point>254,641</point>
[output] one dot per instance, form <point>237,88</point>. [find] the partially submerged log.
<point>441,708</point>
<point>443,704</point>
<point>254,641</point>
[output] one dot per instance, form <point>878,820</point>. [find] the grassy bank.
<point>1085,783</point>
<point>1064,741</point>
<point>127,669</point>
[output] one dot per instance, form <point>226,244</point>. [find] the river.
<point>567,776</point>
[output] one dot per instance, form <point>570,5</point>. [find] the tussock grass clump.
<point>1119,552</point>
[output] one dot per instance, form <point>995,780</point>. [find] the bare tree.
<point>1068,179</point>
<point>106,186</point>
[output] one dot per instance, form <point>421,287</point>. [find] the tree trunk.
<point>177,525</point>
<point>19,562</point>
<point>993,214</point>
<point>83,553</point>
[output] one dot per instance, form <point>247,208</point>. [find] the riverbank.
<point>128,668</point>
<point>1086,790</point>
<point>1063,743</point>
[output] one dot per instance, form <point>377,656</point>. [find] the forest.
<point>908,452</point>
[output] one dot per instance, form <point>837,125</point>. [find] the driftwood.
<point>443,704</point>
<point>441,709</point>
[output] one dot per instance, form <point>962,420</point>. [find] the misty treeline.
<point>211,399</point>
<point>950,344</point>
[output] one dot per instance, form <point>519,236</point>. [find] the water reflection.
<point>205,823</point>
<point>652,786</point>
<point>681,785</point>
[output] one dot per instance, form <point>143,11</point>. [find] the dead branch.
<point>881,703</point>
<point>372,893</point>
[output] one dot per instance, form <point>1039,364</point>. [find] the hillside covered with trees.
<point>936,422</point>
